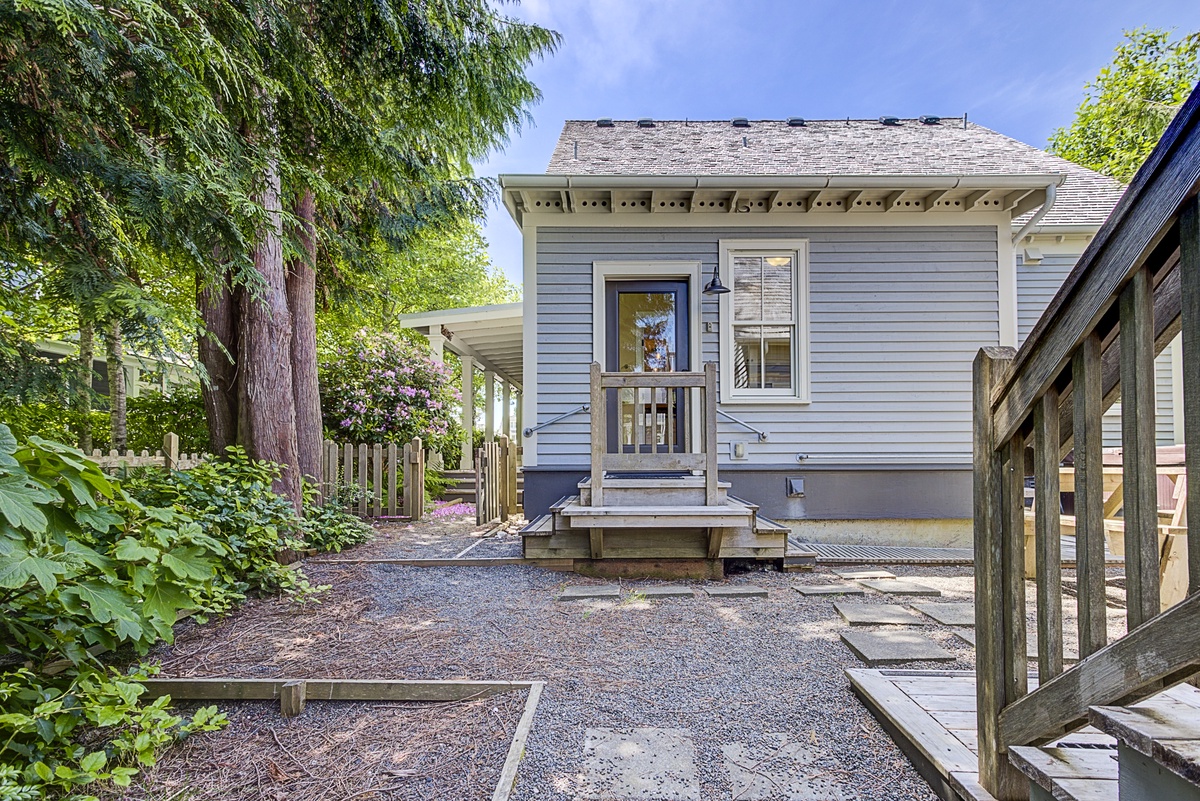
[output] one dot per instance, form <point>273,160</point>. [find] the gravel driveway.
<point>751,690</point>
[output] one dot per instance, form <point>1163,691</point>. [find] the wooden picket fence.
<point>495,481</point>
<point>390,480</point>
<point>169,458</point>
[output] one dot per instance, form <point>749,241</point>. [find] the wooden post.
<point>362,479</point>
<point>1189,273</point>
<point>994,688</point>
<point>406,477</point>
<point>710,434</point>
<point>171,451</point>
<point>512,477</point>
<point>1048,538</point>
<point>1087,395</point>
<point>348,472</point>
<point>329,462</point>
<point>506,504</point>
<point>291,698</point>
<point>599,435</point>
<point>392,473</point>
<point>506,408</point>
<point>468,412</point>
<point>418,479</point>
<point>480,500</point>
<point>1140,476</point>
<point>377,476</point>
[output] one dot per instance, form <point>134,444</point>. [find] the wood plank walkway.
<point>930,714</point>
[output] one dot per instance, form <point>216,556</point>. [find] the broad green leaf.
<point>8,443</point>
<point>93,762</point>
<point>104,601</point>
<point>43,771</point>
<point>188,564</point>
<point>102,518</point>
<point>130,550</point>
<point>18,502</point>
<point>164,601</point>
<point>17,567</point>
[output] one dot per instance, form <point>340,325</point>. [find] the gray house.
<point>865,263</point>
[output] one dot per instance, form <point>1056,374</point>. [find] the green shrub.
<point>153,415</point>
<point>328,526</point>
<point>84,565</point>
<point>232,501</point>
<point>52,421</point>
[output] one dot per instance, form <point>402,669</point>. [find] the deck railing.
<point>1134,289</point>
<point>654,427</point>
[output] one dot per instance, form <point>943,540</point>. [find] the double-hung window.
<point>764,322</point>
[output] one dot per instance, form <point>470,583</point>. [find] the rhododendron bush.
<point>384,388</point>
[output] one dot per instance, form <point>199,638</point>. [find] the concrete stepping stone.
<point>666,591</point>
<point>949,614</point>
<point>736,591</point>
<point>642,764</point>
<point>582,592</point>
<point>894,647</point>
<point>878,615</point>
<point>856,573</point>
<point>899,587</point>
<point>968,636</point>
<point>827,589</point>
<point>777,769</point>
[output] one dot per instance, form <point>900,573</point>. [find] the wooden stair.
<point>1152,752</point>
<point>463,488</point>
<point>654,518</point>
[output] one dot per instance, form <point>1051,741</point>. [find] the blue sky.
<point>1016,66</point>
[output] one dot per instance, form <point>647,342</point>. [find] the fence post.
<point>362,479</point>
<point>171,451</point>
<point>502,446</point>
<point>391,458</point>
<point>329,463</point>
<point>348,472</point>
<point>418,479</point>
<point>377,476</point>
<point>480,500</point>
<point>406,477</point>
<point>512,477</point>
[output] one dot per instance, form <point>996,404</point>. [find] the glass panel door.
<point>647,332</point>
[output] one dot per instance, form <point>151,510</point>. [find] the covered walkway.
<point>487,338</point>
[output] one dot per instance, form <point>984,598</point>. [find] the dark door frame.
<point>683,344</point>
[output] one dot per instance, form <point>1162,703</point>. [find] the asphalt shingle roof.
<point>826,147</point>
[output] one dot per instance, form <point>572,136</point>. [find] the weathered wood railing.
<point>388,481</point>
<point>1133,290</point>
<point>652,446</point>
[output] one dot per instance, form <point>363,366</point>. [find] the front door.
<point>646,332</point>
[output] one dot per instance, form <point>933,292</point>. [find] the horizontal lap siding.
<point>897,315</point>
<point>1036,286</point>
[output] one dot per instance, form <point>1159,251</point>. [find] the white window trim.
<point>801,365</point>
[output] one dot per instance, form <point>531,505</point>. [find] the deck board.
<point>931,714</point>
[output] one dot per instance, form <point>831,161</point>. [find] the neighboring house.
<point>868,261</point>
<point>141,372</point>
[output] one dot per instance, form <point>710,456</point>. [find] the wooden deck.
<point>931,716</point>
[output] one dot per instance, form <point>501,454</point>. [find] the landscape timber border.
<point>294,693</point>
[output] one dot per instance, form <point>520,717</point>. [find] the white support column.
<point>520,418</point>
<point>506,409</point>
<point>489,409</point>
<point>437,345</point>
<point>468,413</point>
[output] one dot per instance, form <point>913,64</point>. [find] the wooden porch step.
<point>731,514</point>
<point>1068,774</point>
<point>542,526</point>
<point>634,490</point>
<point>1164,731</point>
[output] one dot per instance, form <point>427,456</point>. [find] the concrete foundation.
<point>927,533</point>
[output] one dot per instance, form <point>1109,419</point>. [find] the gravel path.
<point>755,685</point>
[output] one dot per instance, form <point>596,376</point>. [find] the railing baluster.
<point>599,412</point>
<point>653,419</point>
<point>1140,478</point>
<point>1189,267</point>
<point>993,690</point>
<point>710,434</point>
<point>1012,511</point>
<point>1086,393</point>
<point>1048,539</point>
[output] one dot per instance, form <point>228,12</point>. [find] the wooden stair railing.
<point>1135,288</point>
<point>680,449</point>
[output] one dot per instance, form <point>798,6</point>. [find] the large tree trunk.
<point>302,301</point>
<point>83,384</point>
<point>267,407</point>
<point>115,346</point>
<point>218,306</point>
